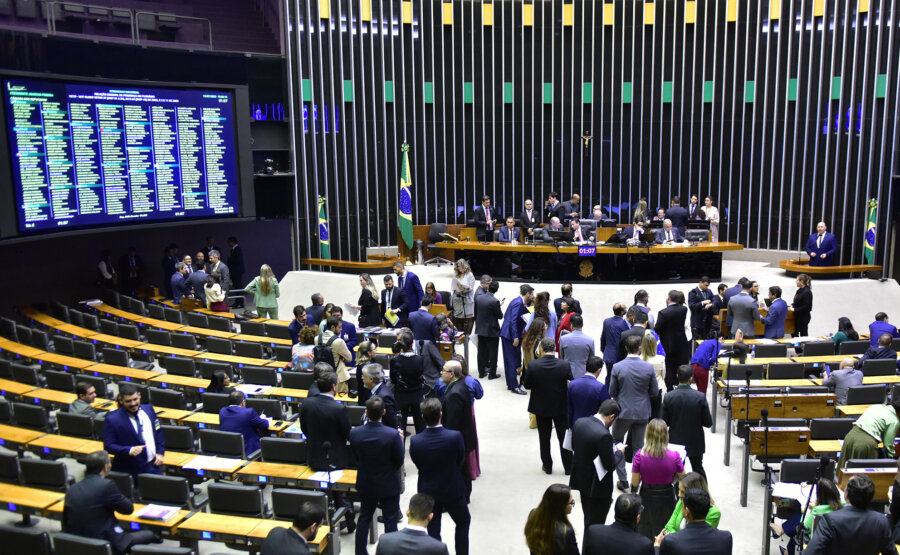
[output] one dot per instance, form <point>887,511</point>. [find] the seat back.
<point>223,444</point>
<point>253,328</point>
<point>90,321</point>
<point>207,368</point>
<point>259,375</point>
<point>282,353</point>
<point>111,298</point>
<point>59,310</point>
<point>6,369</point>
<point>871,463</point>
<point>76,425</point>
<point>179,438</point>
<point>197,320</point>
<point>173,315</point>
<point>434,233</point>
<point>116,357</point>
<point>786,370</point>
<point>818,349</point>
<point>283,450</point>
<point>184,341</point>
<point>165,490</point>
<point>128,331</point>
<point>124,482</point>
<point>5,411</point>
<point>286,502</point>
<point>109,327</point>
<point>26,374</point>
<point>277,330</point>
<point>8,328</point>
<point>76,317</point>
<point>248,349</point>
<point>40,340</point>
<point>85,350</point>
<point>271,407</point>
<point>895,392</point>
<point>156,311</point>
<point>236,500</point>
<point>355,414</point>
<point>219,324</point>
<point>63,345</point>
<point>159,550</point>
<point>854,347</point>
<point>879,367</point>
<point>739,371</point>
<point>99,383</point>
<point>181,366</point>
<point>866,394</point>
<point>70,544</point>
<point>829,428</point>
<point>214,402</point>
<point>159,337</point>
<point>60,381</point>
<point>23,334</point>
<point>44,474</point>
<point>218,345</point>
<point>797,471</point>
<point>25,540</point>
<point>297,380</point>
<point>9,468</point>
<point>31,416</point>
<point>167,398</point>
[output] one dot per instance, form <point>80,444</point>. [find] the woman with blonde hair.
<point>640,213</point>
<point>265,293</point>
<point>654,469</point>
<point>712,214</point>
<point>369,312</point>
<point>688,481</point>
<point>548,530</point>
<point>462,296</point>
<point>649,354</point>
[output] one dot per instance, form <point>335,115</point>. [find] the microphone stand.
<point>767,484</point>
<point>799,533</point>
<point>328,499</point>
<point>728,407</point>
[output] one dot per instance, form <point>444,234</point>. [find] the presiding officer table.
<point>600,262</point>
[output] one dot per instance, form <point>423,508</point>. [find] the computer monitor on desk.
<point>559,235</point>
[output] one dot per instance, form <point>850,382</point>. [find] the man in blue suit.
<point>510,233</point>
<point>179,283</point>
<point>440,455</point>
<point>133,434</point>
<point>413,538</point>
<point>393,299</point>
<point>880,327</point>
<point>348,331</point>
<point>821,246</point>
<point>238,417</point>
<point>774,319</point>
<point>609,339</point>
<point>409,283</point>
<point>511,333</point>
<point>379,452</point>
<point>422,323</point>
<point>586,393</point>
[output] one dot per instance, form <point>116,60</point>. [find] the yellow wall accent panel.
<point>487,14</point>
<point>448,13</point>
<point>819,8</point>
<point>731,11</point>
<point>863,6</point>
<point>649,13</point>
<point>568,15</point>
<point>690,12</point>
<point>406,11</point>
<point>324,9</point>
<point>365,10</point>
<point>609,14</point>
<point>528,15</point>
<point>774,9</point>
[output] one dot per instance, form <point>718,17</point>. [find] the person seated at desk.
<point>635,231</point>
<point>295,539</point>
<point>238,417</point>
<point>854,528</point>
<point>219,382</point>
<point>828,499</point>
<point>579,235</point>
<point>669,235</point>
<point>83,404</point>
<point>555,225</point>
<point>878,423</point>
<point>510,233</point>
<point>842,379</point>
<point>660,215</point>
<point>91,505</point>
<point>882,351</point>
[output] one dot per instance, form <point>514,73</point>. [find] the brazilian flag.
<point>324,245</point>
<point>404,221</point>
<point>871,229</point>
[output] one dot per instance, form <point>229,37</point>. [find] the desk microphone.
<point>765,416</point>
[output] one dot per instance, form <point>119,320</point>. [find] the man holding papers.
<point>393,303</point>
<point>594,461</point>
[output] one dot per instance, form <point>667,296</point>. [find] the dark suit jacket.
<point>379,452</point>
<point>390,404</point>
<point>457,412</point>
<point>730,292</point>
<point>879,328</point>
<point>324,419</point>
<point>568,209</point>
<point>584,397</point>
<point>435,451</point>
<point>548,377</point>
<point>424,326</point>
<point>179,287</point>
<point>557,304</point>
<point>557,211</point>
<point>613,327</point>
<point>678,215</point>
<point>686,412</point>
<point>513,326</point>
<point>828,248</point>
<point>505,236</point>
<point>403,542</point>
<point>698,538</point>
<point>480,219</point>
<point>851,530</point>
<point>670,329</point>
<point>246,422</point>
<point>530,223</point>
<point>314,314</point>
<point>700,317</point>
<point>774,319</point>
<point>615,539</point>
<point>591,439</point>
<point>412,289</point>
<point>283,540</point>
<point>677,235</point>
<point>236,262</point>
<point>398,300</point>
<point>487,315</point>
<point>119,436</point>
<point>633,330</point>
<point>90,507</point>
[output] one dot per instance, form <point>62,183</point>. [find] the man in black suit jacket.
<point>572,208</point>
<point>410,539</point>
<point>638,320</point>
<point>677,214</point>
<point>591,438</point>
<point>566,290</point>
<point>698,537</point>
<point>670,328</point>
<point>486,218</point>
<point>91,505</point>
<point>456,412</point>
<point>423,324</point>
<point>487,327</point>
<point>529,219</point>
<point>620,537</point>
<point>548,379</point>
<point>379,452</point>
<point>853,529</point>
<point>440,456</point>
<point>686,412</point>
<point>294,540</point>
<point>700,301</point>
<point>373,381</point>
<point>554,208</point>
<point>393,298</point>
<point>315,311</point>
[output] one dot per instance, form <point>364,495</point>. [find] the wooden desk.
<point>166,528</point>
<point>232,359</point>
<point>826,447</point>
<point>782,441</point>
<point>870,380</point>
<point>50,397</point>
<point>65,362</point>
<point>206,331</point>
<point>109,310</point>
<point>111,371</point>
<point>20,350</point>
<point>347,481</point>
<point>176,459</point>
<point>9,388</point>
<point>287,395</point>
<point>56,446</point>
<point>155,323</point>
<point>272,473</point>
<point>804,405</point>
<point>12,437</point>
<point>883,477</point>
<point>166,350</point>
<point>821,359</point>
<point>104,404</point>
<point>206,420</point>
<point>852,410</point>
<point>173,415</point>
<point>228,315</point>
<point>737,384</point>
<point>181,383</point>
<point>272,341</point>
<point>317,545</point>
<point>113,340</point>
<point>208,526</point>
<point>77,332</point>
<point>30,501</point>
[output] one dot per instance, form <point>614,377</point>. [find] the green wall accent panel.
<point>468,92</point>
<point>348,90</point>
<point>388,91</point>
<point>587,93</point>
<point>306,90</point>
<point>708,90</point>
<point>428,92</point>
<point>548,93</point>
<point>836,88</point>
<point>668,89</point>
<point>792,90</point>
<point>881,86</point>
<point>750,91</point>
<point>507,92</point>
<point>627,92</point>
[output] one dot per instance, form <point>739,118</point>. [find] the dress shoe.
<point>493,376</point>
<point>518,391</point>
<point>481,375</point>
<point>547,469</point>
<point>622,485</point>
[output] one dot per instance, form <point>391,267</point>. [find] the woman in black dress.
<point>803,301</point>
<point>407,377</point>
<point>368,303</point>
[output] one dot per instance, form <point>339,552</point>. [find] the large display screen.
<point>92,154</point>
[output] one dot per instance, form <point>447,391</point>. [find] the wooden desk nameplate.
<point>782,441</point>
<point>808,405</point>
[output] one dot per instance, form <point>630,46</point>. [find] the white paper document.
<point>322,476</point>
<point>252,388</point>
<point>567,441</point>
<point>350,310</point>
<point>680,449</point>
<point>205,462</point>
<point>786,490</point>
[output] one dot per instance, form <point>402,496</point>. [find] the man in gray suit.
<point>633,383</point>
<point>414,538</point>
<point>576,347</point>
<point>743,311</point>
<point>487,328</point>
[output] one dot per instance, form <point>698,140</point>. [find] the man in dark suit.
<point>216,266</point>
<point>131,269</point>
<point>572,208</point>
<point>316,311</point>
<point>133,434</point>
<point>394,299</point>
<point>511,333</point>
<point>294,540</point>
<point>669,234</point>
<point>854,528</point>
<point>439,454</point>
<point>609,338</point>
<point>297,323</point>
<point>238,417</point>
<point>235,262</point>
<point>638,320</point>
<point>456,412</point>
<point>880,326</point>
<point>882,351</point>
<point>485,218</point>
<point>821,246</point>
<point>743,312</point>
<point>373,382</point>
<point>422,323</point>
<point>554,208</point>
<point>775,317</point>
<point>686,412</point>
<point>677,214</point>
<point>529,219</point>
<point>91,504</point>
<point>179,283</point>
<point>168,267</point>
<point>586,393</point>
<point>620,537</point>
<point>379,452</point>
<point>327,429</point>
<point>510,233</point>
<point>700,302</point>
<point>409,283</point>
<point>591,439</point>
<point>487,328</point>
<point>698,537</point>
<point>566,290</point>
<point>670,328</point>
<point>413,539</point>
<point>548,379</point>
